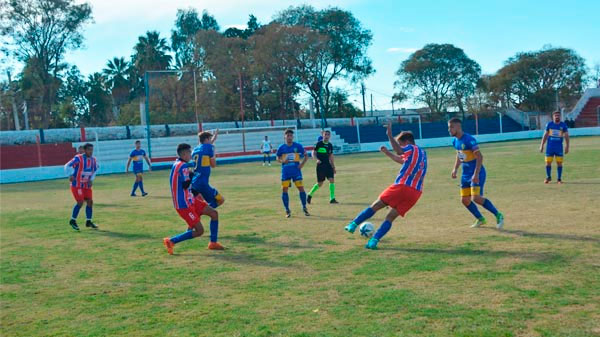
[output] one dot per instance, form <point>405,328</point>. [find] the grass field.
<point>432,276</point>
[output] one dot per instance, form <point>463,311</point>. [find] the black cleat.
<point>144,194</point>
<point>73,224</point>
<point>305,210</point>
<point>333,201</point>
<point>90,224</point>
<point>308,199</point>
<point>288,213</point>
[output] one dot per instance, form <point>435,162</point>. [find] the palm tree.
<point>150,53</point>
<point>115,74</point>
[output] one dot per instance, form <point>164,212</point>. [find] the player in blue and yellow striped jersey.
<point>556,131</point>
<point>205,160</point>
<point>138,156</point>
<point>473,174</point>
<point>289,154</point>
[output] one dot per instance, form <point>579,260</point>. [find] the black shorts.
<point>324,172</point>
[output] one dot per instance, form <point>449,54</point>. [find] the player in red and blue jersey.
<point>137,156</point>
<point>84,167</point>
<point>188,206</point>
<point>556,131</point>
<point>473,174</point>
<point>289,154</point>
<point>204,161</point>
<point>406,190</point>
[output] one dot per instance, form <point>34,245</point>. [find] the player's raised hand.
<point>388,128</point>
<point>383,149</point>
<point>453,174</point>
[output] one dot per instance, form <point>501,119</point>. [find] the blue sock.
<point>183,236</point>
<point>214,230</point>
<point>303,199</point>
<point>487,204</point>
<point>548,171</point>
<point>88,212</point>
<point>364,215</point>
<point>141,183</point>
<point>135,186</point>
<point>559,170</point>
<point>75,213</point>
<point>383,229</point>
<point>286,200</point>
<point>474,210</point>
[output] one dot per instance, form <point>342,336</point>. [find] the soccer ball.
<point>366,229</point>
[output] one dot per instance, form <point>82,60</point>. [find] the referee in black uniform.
<point>323,153</point>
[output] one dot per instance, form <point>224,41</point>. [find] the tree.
<point>74,105</point>
<point>39,33</point>
<point>115,74</point>
<point>251,27</point>
<point>344,55</point>
<point>187,25</point>
<point>532,80</point>
<point>439,75</point>
<point>99,101</point>
<point>151,53</point>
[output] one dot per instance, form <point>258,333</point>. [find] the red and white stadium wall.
<point>23,163</point>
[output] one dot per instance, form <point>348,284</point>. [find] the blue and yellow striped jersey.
<point>466,146</point>
<point>201,157</point>
<point>556,133</point>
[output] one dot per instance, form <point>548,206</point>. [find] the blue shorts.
<point>138,171</point>
<point>468,188</point>
<point>266,153</point>
<point>210,194</point>
<point>289,174</point>
<point>554,150</point>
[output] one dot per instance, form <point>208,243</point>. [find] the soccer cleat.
<point>133,195</point>
<point>308,199</point>
<point>305,210</point>
<point>288,213</point>
<point>73,224</point>
<point>499,220</point>
<point>264,164</point>
<point>90,224</point>
<point>372,244</point>
<point>547,180</point>
<point>333,201</point>
<point>559,182</point>
<point>351,227</point>
<point>269,164</point>
<point>479,222</point>
<point>215,246</point>
<point>169,245</point>
<point>144,194</point>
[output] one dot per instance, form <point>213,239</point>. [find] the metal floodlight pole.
<point>500,117</point>
<point>242,110</point>
<point>196,101</point>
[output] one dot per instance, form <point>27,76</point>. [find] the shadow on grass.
<point>582,183</point>
<point>120,235</point>
<point>536,256</point>
<point>250,259</point>
<point>254,239</point>
<point>555,236</point>
<point>343,219</point>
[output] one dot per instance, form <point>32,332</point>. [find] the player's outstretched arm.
<point>397,148</point>
<point>398,159</point>
<point>214,137</point>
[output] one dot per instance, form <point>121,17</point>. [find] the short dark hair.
<point>204,136</point>
<point>406,136</point>
<point>138,141</point>
<point>183,147</point>
<point>87,146</point>
<point>288,131</point>
<point>327,131</point>
<point>555,112</point>
<point>455,120</point>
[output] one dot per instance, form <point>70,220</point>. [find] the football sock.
<point>548,171</point>
<point>183,236</point>
<point>559,170</point>
<point>286,200</point>
<point>141,184</point>
<point>474,210</point>
<point>214,230</point>
<point>303,199</point>
<point>383,229</point>
<point>88,212</point>
<point>331,191</point>
<point>269,158</point>
<point>487,204</point>
<point>313,189</point>
<point>364,215</point>
<point>75,213</point>
<point>135,186</point>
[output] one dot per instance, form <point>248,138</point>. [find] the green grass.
<point>433,276</point>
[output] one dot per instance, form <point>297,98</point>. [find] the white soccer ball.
<point>366,229</point>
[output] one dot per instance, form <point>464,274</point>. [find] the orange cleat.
<point>169,245</point>
<point>215,246</point>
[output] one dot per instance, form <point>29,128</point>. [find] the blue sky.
<point>488,31</point>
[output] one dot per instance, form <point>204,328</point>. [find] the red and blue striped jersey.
<point>180,173</point>
<point>413,170</point>
<point>84,170</point>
